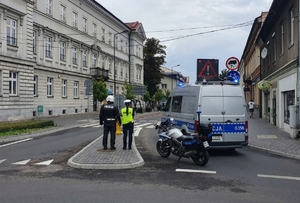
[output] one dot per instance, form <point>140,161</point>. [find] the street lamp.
<point>124,31</point>
<point>172,74</point>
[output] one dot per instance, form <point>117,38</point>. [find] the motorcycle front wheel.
<point>162,149</point>
<point>201,158</point>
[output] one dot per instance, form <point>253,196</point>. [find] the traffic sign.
<point>234,75</point>
<point>232,63</point>
<point>207,69</point>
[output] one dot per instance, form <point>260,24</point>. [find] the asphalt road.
<point>244,175</point>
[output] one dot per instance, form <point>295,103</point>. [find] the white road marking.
<point>278,177</point>
<point>195,171</point>
<point>45,163</point>
<point>22,162</point>
<point>141,125</point>
<point>150,126</point>
<point>4,145</point>
<point>137,131</point>
<point>1,161</point>
<point>90,125</point>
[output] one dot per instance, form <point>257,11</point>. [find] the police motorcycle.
<point>194,145</point>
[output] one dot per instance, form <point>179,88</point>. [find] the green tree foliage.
<point>127,91</point>
<point>159,95</point>
<point>99,90</point>
<point>147,96</point>
<point>167,93</point>
<point>154,58</point>
<point>223,74</point>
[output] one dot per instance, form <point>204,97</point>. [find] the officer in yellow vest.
<point>127,114</point>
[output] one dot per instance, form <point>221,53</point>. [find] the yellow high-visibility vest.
<point>127,118</point>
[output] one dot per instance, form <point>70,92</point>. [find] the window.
<point>13,83</point>
<point>281,38</point>
<point>163,86</point>
<point>84,24</point>
<point>126,47</point>
<point>122,49</point>
<point>48,47</point>
<point>76,83</point>
<point>64,88</point>
<point>48,7</point>
<point>110,68</point>
<point>289,99</point>
<point>49,87</point>
<point>103,65</point>
<point>292,19</point>
<point>176,104</point>
<point>94,30</point>
<point>11,32</point>
<point>35,86</point>
<point>75,20</point>
<point>62,51</point>
<point>74,55</point>
<point>94,60</point>
<point>84,58</point>
<point>121,71</point>
<point>33,42</point>
<point>62,13</point>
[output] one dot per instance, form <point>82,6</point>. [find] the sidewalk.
<point>262,136</point>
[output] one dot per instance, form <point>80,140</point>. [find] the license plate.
<point>216,137</point>
<point>205,144</point>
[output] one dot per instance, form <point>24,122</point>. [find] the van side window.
<point>176,104</point>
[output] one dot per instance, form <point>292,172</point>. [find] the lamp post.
<point>124,31</point>
<point>172,74</point>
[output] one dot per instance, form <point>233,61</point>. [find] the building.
<point>49,49</point>
<point>274,79</point>
<point>171,78</point>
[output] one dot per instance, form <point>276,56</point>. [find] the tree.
<point>223,74</point>
<point>167,93</point>
<point>159,95</point>
<point>127,91</point>
<point>99,90</point>
<point>154,58</point>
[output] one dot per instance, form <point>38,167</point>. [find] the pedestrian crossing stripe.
<point>22,162</point>
<point>1,161</point>
<point>45,163</point>
<point>96,125</point>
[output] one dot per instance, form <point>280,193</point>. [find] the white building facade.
<point>48,48</point>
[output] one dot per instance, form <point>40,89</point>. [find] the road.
<point>244,175</point>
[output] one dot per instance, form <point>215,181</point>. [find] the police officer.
<point>109,115</point>
<point>127,114</point>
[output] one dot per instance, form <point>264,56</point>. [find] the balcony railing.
<point>97,73</point>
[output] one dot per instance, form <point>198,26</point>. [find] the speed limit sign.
<point>232,63</point>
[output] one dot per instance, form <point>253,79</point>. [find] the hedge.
<point>28,124</point>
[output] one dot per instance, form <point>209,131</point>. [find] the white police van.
<point>223,105</point>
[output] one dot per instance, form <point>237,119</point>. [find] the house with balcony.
<point>49,49</point>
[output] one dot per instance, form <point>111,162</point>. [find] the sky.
<point>193,29</point>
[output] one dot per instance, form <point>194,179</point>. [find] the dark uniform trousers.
<point>127,128</point>
<point>106,130</point>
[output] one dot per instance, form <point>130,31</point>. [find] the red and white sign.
<point>232,63</point>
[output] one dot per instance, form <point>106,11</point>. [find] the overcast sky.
<point>193,29</point>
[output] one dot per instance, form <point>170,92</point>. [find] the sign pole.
<point>88,109</point>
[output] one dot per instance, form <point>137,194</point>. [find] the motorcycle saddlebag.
<point>205,128</point>
<point>189,143</point>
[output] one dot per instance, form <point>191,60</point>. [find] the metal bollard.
<point>118,129</point>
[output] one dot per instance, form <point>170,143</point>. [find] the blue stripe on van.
<point>228,128</point>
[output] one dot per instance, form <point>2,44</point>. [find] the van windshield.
<point>232,106</point>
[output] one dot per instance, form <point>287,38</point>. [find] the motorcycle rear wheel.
<point>201,158</point>
<point>162,150</point>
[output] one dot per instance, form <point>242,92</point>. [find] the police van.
<point>221,104</point>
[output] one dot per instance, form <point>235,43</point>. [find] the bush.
<point>28,124</point>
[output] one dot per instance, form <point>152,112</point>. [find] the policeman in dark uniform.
<point>109,115</point>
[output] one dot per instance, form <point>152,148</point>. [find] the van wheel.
<point>201,158</point>
<point>163,149</point>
